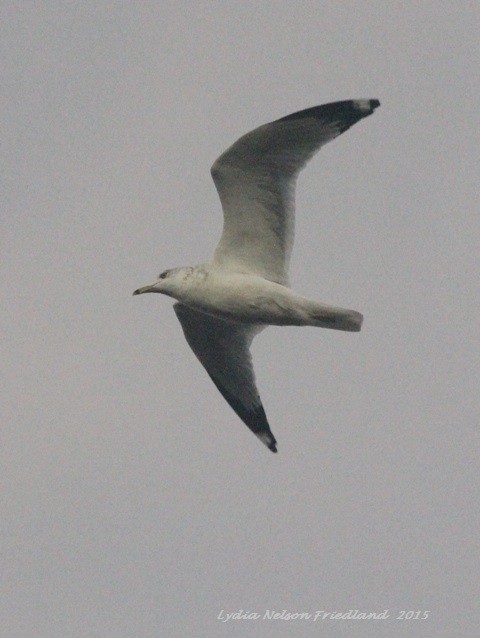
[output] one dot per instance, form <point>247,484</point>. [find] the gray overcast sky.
<point>135,502</point>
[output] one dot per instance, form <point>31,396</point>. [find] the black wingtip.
<point>267,438</point>
<point>345,112</point>
<point>254,418</point>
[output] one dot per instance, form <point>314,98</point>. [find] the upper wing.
<point>255,179</point>
<point>222,347</point>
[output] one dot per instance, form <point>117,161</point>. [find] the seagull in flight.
<point>224,303</point>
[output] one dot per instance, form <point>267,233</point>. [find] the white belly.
<point>252,299</point>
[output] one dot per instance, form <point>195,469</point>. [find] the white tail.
<point>335,318</point>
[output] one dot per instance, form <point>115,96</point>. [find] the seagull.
<point>224,303</point>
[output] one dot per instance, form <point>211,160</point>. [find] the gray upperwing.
<point>255,179</point>
<point>222,347</point>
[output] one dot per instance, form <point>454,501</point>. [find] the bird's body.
<point>224,303</point>
<point>251,299</point>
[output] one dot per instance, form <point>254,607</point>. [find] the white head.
<point>170,282</point>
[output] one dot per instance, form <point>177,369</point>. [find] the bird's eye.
<point>163,274</point>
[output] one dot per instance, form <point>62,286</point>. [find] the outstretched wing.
<point>222,347</point>
<point>255,179</point>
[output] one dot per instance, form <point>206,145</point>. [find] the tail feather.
<point>336,318</point>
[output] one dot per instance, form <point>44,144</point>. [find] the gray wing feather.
<point>222,347</point>
<point>255,179</point>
